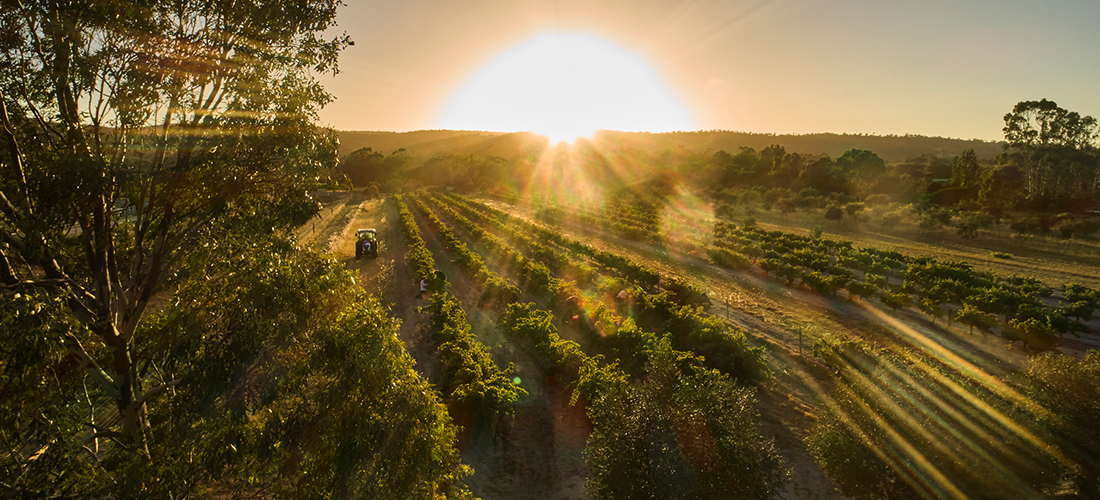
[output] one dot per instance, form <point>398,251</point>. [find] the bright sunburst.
<point>565,86</point>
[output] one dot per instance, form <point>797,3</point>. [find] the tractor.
<point>366,242</point>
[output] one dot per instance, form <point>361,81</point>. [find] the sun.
<point>565,86</point>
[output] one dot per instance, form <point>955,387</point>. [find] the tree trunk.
<point>130,407</point>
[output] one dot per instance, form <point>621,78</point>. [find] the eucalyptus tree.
<point>1057,148</point>
<point>132,132</point>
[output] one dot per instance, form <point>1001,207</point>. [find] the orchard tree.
<point>895,300</point>
<point>132,134</point>
<point>689,430</point>
<point>931,308</point>
<point>972,316</point>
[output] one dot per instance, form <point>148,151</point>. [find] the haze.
<point>936,68</point>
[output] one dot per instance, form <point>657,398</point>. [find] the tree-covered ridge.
<point>1050,162</point>
<point>511,146</point>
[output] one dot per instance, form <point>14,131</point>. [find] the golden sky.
<point>939,68</point>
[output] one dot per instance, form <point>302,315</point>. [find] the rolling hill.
<point>892,148</point>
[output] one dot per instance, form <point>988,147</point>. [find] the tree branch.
<point>16,155</point>
<point>155,391</point>
<point>20,285</point>
<point>89,365</point>
<point>118,438</point>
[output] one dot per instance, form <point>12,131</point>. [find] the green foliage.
<point>420,257</point>
<point>1057,148</point>
<point>691,330</point>
<point>877,199</point>
<point>934,218</point>
<point>728,258</point>
<point>494,289</point>
<point>973,317</point>
<point>1001,255</point>
<point>1070,392</point>
<point>891,219</point>
<point>686,432</point>
<point>46,401</point>
<point>271,374</point>
<point>965,170</point>
<point>861,163</point>
<point>535,331</point>
<point>969,224</point>
<point>931,308</point>
<point>895,300</point>
<point>367,168</point>
<point>468,375</point>
<point>1075,292</point>
<point>153,133</point>
<point>887,408</point>
<point>1035,332</point>
<point>865,289</point>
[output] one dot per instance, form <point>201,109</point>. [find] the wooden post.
<point>800,340</point>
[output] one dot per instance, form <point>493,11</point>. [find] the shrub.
<point>934,218</point>
<point>809,193</point>
<point>891,219</point>
<point>1001,255</point>
<point>1070,227</point>
<point>971,222</point>
<point>877,199</point>
<point>728,258</point>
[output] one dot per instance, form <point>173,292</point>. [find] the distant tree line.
<point>1050,162</point>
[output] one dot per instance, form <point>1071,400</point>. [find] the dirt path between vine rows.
<point>788,401</point>
<point>537,452</point>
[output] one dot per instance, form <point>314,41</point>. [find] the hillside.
<point>428,143</point>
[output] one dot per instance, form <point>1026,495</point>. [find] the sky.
<point>936,68</point>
